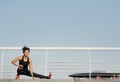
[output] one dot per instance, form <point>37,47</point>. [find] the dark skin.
<point>26,55</point>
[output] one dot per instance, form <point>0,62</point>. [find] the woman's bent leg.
<point>19,72</point>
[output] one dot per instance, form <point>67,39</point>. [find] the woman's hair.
<point>25,48</point>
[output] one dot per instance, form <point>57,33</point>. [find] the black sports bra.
<point>24,63</point>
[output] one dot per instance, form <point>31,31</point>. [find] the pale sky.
<point>47,23</point>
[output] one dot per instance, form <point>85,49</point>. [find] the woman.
<point>24,62</point>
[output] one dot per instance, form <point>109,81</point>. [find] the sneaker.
<point>17,77</point>
<point>50,75</point>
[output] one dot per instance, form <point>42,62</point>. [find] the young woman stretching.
<point>24,62</point>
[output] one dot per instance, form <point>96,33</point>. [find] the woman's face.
<point>26,53</point>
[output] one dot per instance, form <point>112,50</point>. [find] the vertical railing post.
<point>46,61</point>
<point>89,64</point>
<point>2,59</point>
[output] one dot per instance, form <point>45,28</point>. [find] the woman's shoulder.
<point>20,57</point>
<point>30,60</point>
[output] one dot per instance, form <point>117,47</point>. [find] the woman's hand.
<point>33,78</point>
<point>20,67</point>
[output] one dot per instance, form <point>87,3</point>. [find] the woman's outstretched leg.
<point>42,76</point>
<point>39,75</point>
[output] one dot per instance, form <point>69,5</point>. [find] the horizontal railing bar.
<point>87,62</point>
<point>85,65</point>
<point>62,48</point>
<point>77,62</point>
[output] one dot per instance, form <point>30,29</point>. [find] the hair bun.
<point>25,48</point>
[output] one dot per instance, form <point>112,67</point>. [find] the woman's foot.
<point>50,75</point>
<point>17,77</point>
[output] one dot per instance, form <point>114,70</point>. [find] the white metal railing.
<point>51,65</point>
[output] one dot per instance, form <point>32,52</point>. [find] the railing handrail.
<point>62,48</point>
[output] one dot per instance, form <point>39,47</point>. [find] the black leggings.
<point>27,73</point>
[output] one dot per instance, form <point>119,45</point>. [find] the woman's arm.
<point>31,69</point>
<point>15,60</point>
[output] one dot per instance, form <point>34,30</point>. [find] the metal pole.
<point>46,67</point>
<point>89,64</point>
<point>2,63</point>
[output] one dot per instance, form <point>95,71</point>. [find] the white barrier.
<point>69,65</point>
